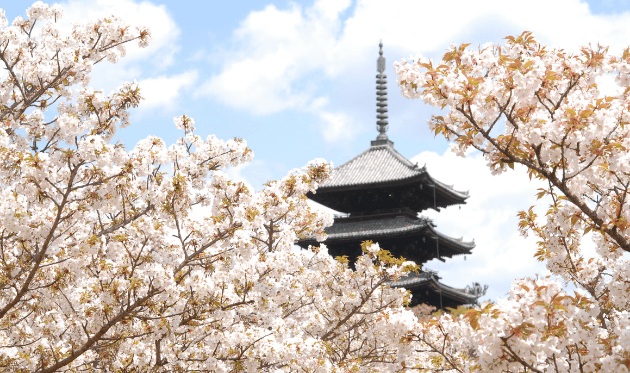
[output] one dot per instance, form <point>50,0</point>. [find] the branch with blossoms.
<point>524,103</point>
<point>40,76</point>
<point>550,104</point>
<point>152,258</point>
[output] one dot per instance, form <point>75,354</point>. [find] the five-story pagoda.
<point>381,194</point>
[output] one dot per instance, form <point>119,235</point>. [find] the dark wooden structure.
<point>381,194</point>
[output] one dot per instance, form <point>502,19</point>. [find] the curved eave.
<point>464,247</point>
<point>420,281</point>
<point>448,190</point>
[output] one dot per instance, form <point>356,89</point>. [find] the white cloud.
<point>253,174</point>
<point>163,92</point>
<point>163,29</point>
<point>138,61</point>
<point>236,174</point>
<point>261,86</point>
<point>488,217</point>
<point>276,51</point>
<point>282,56</point>
<point>336,126</point>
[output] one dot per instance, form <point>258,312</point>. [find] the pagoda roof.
<point>375,228</point>
<point>381,164</point>
<point>346,234</point>
<point>343,229</point>
<point>381,178</point>
<point>429,280</point>
<point>377,164</point>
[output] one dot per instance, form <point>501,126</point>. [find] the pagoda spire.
<point>381,95</point>
<point>381,102</point>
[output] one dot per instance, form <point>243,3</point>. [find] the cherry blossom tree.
<point>151,259</point>
<point>526,104</point>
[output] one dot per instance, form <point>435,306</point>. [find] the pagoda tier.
<point>398,230</point>
<point>382,178</point>
<point>425,287</point>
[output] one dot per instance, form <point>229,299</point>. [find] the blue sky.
<point>296,79</point>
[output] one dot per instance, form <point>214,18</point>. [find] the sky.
<point>296,80</point>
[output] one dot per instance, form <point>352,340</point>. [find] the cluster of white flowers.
<point>105,265</point>
<point>540,107</point>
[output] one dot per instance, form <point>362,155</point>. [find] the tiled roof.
<point>380,164</point>
<point>428,279</point>
<point>377,227</point>
<point>375,165</point>
<point>383,227</point>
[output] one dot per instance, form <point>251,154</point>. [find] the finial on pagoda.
<point>381,100</point>
<point>380,62</point>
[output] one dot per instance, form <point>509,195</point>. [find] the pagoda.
<point>381,194</point>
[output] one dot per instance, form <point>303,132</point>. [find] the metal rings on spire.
<point>381,95</point>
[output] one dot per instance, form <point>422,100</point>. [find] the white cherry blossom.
<point>526,103</point>
<point>152,259</point>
